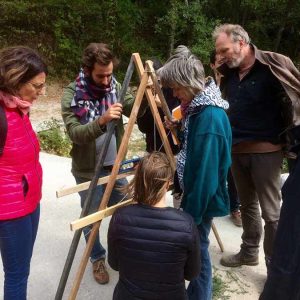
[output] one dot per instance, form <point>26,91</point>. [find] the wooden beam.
<point>84,186</point>
<point>97,216</point>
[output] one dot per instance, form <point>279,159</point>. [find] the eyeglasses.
<point>38,86</point>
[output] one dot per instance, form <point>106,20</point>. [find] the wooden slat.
<point>97,216</point>
<point>84,186</point>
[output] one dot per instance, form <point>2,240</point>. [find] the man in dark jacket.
<point>235,213</point>
<point>261,88</point>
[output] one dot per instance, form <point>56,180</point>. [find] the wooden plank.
<point>97,216</point>
<point>84,186</point>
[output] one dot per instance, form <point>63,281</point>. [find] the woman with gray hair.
<point>204,159</point>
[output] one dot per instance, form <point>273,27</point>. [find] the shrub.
<point>53,138</point>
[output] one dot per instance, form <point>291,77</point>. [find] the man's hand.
<point>113,113</point>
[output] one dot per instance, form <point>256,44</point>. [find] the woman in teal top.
<point>205,156</point>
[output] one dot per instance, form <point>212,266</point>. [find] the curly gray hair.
<point>184,69</point>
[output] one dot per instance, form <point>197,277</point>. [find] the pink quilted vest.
<point>20,169</point>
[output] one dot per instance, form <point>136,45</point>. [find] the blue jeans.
<point>200,288</point>
<point>116,196</point>
<point>17,237</point>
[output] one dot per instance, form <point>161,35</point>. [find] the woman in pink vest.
<point>22,80</point>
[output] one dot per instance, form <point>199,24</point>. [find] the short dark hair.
<point>152,176</point>
<point>98,53</point>
<point>18,65</point>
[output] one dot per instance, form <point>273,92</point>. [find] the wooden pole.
<point>215,231</point>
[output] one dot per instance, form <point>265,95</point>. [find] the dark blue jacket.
<point>154,250</point>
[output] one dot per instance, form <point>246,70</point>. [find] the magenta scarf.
<point>184,108</point>
<point>12,101</point>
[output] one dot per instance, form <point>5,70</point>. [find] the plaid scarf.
<point>210,96</point>
<point>91,101</point>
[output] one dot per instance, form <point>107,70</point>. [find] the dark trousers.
<point>257,178</point>
<point>283,281</point>
<point>17,238</point>
<point>232,192</point>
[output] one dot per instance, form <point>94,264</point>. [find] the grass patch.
<point>226,283</point>
<point>219,287</point>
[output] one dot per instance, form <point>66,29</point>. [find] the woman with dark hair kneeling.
<point>22,80</point>
<point>154,247</point>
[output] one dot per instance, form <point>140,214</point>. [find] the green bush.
<point>53,138</point>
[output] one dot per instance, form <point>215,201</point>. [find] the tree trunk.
<point>288,8</point>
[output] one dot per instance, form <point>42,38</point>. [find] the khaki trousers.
<point>257,178</point>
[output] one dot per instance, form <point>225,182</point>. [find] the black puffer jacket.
<point>154,250</point>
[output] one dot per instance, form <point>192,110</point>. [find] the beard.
<point>235,62</point>
<point>236,59</point>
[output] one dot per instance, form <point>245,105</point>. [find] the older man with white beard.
<point>260,87</point>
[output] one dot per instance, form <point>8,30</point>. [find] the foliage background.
<point>60,29</point>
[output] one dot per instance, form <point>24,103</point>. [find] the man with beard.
<point>261,88</point>
<point>88,104</point>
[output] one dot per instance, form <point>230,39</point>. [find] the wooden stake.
<point>215,231</point>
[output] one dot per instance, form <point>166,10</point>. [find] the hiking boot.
<point>236,218</point>
<point>237,260</point>
<point>99,271</point>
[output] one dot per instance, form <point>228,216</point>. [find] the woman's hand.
<point>173,124</point>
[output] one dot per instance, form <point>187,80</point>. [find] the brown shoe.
<point>236,218</point>
<point>237,260</point>
<point>99,271</point>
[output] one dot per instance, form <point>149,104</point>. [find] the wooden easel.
<point>146,76</point>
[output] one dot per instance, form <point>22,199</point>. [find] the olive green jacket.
<point>83,137</point>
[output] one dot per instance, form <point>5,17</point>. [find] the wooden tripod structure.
<point>147,76</point>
